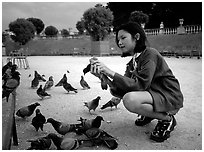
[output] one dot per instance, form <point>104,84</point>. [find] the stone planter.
<point>100,48</point>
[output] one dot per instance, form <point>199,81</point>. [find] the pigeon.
<point>113,102</point>
<point>89,123</point>
<point>93,104</point>
<point>87,69</point>
<point>5,67</point>
<point>39,120</point>
<point>61,127</point>
<point>40,77</point>
<point>60,83</point>
<point>84,84</point>
<point>42,93</point>
<point>35,83</point>
<point>29,75</point>
<point>66,143</point>
<point>105,81</point>
<point>68,87</point>
<point>10,85</point>
<point>27,110</point>
<point>41,143</point>
<point>9,72</point>
<point>49,83</point>
<point>68,71</point>
<point>99,136</point>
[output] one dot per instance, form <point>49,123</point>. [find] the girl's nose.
<point>119,43</point>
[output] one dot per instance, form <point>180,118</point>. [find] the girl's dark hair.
<point>133,28</point>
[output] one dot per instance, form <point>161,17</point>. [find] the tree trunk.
<point>100,48</point>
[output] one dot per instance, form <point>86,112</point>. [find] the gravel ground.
<point>68,107</point>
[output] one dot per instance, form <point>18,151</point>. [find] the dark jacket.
<point>153,75</point>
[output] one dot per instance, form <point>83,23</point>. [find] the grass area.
<point>181,44</point>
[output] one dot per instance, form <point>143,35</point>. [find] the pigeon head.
<point>99,98</point>
<point>50,120</point>
<point>36,104</point>
<point>50,78</point>
<point>14,67</point>
<point>37,111</point>
<point>9,63</point>
<point>100,118</point>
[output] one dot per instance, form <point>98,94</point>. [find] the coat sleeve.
<point>141,78</point>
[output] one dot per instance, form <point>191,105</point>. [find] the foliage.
<point>38,23</point>
<point>168,12</point>
<point>65,32</point>
<point>139,17</point>
<point>80,26</point>
<point>97,22</point>
<point>23,30</point>
<point>51,31</point>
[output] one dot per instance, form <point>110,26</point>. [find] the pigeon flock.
<point>87,131</point>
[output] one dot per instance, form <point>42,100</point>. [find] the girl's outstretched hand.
<point>97,68</point>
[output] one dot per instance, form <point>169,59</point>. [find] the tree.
<point>51,31</point>
<point>23,30</point>
<point>97,22</point>
<point>65,32</point>
<point>80,26</point>
<point>38,23</point>
<point>168,12</point>
<point>139,17</point>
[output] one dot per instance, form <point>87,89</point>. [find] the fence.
<point>188,29</point>
<point>11,127</point>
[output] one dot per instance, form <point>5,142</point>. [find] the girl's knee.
<point>130,102</point>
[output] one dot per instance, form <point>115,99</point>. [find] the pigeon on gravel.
<point>60,83</point>
<point>42,93</point>
<point>89,123</point>
<point>68,87</point>
<point>99,136</point>
<point>61,127</point>
<point>84,84</point>
<point>5,67</point>
<point>113,102</point>
<point>27,110</point>
<point>10,85</point>
<point>37,78</point>
<point>93,104</point>
<point>40,77</point>
<point>66,143</point>
<point>39,120</point>
<point>9,72</point>
<point>41,143</point>
<point>49,83</point>
<point>35,83</point>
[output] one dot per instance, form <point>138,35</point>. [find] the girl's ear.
<point>137,36</point>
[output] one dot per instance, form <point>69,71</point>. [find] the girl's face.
<point>126,42</point>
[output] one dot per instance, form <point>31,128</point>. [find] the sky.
<point>62,15</point>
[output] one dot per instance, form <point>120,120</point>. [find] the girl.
<point>148,87</point>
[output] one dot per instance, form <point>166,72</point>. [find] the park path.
<point>69,107</point>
